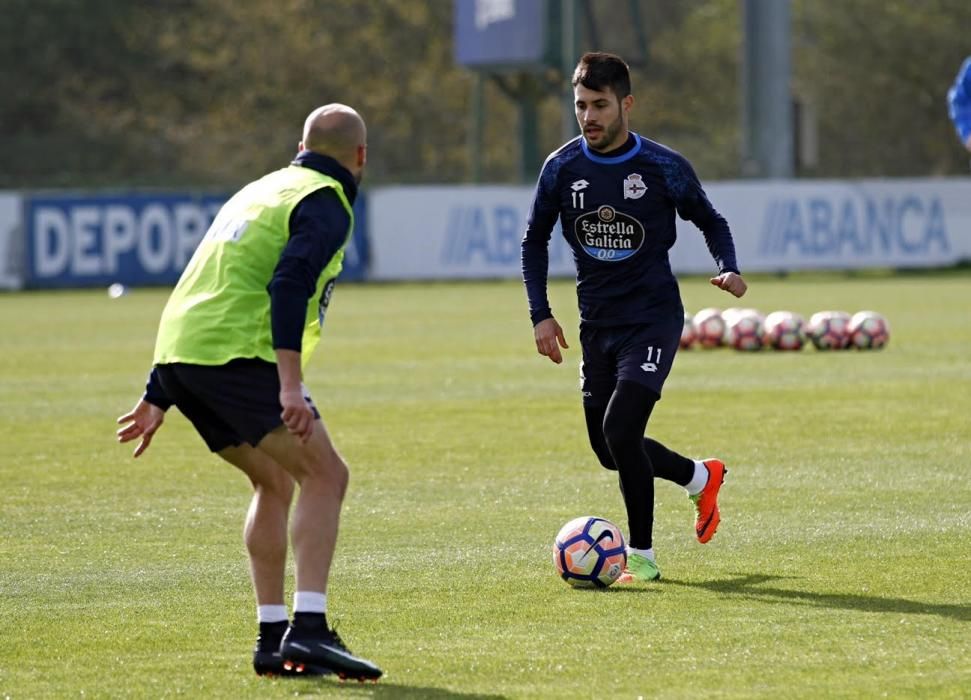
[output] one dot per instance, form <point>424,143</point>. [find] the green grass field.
<point>842,567</point>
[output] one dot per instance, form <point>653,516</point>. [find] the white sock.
<point>309,602</point>
<point>646,553</point>
<point>271,613</point>
<point>699,480</point>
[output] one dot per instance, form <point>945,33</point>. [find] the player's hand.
<point>142,422</point>
<point>549,339</point>
<point>731,282</point>
<point>297,414</point>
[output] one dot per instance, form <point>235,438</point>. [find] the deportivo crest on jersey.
<point>609,235</point>
<point>634,187</point>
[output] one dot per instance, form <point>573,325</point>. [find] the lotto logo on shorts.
<point>651,364</point>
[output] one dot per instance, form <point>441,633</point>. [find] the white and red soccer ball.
<point>687,332</point>
<point>709,327</point>
<point>744,329</point>
<point>829,330</point>
<point>868,330</point>
<point>783,330</point>
<point>589,552</point>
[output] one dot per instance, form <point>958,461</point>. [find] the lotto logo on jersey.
<point>609,235</point>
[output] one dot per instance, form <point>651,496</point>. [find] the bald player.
<point>232,342</point>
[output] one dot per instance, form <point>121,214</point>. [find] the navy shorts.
<point>228,404</point>
<point>637,353</point>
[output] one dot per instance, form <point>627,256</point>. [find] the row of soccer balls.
<point>747,329</point>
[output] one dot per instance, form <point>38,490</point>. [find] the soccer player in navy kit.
<point>616,195</point>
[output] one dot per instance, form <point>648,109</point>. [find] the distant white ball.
<point>868,330</point>
<point>688,335</point>
<point>728,315</point>
<point>829,330</point>
<point>783,331</point>
<point>709,327</point>
<point>744,330</point>
<point>117,290</point>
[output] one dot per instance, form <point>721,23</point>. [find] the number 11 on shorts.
<point>652,362</point>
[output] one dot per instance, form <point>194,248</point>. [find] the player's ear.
<point>627,103</point>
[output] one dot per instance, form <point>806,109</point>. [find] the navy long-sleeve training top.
<point>617,213</point>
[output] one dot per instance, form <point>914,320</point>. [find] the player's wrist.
<point>540,316</point>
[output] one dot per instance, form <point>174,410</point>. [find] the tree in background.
<point>211,92</point>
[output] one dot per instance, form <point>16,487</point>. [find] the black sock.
<point>668,464</point>
<point>310,621</point>
<point>270,635</point>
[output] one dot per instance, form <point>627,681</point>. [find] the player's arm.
<point>693,205</point>
<point>144,420</point>
<point>318,226</point>
<point>535,265</point>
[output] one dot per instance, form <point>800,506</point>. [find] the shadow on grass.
<point>750,586</point>
<point>383,689</point>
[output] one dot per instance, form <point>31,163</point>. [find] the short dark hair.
<point>598,71</point>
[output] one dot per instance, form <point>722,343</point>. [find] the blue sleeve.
<point>535,246</point>
<point>318,228</point>
<point>959,102</point>
<point>692,205</point>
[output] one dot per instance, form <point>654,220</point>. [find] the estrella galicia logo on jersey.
<point>607,234</point>
<point>634,187</point>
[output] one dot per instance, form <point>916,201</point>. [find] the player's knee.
<point>331,469</point>
<point>342,477</point>
<point>274,482</point>
<point>603,454</point>
<point>281,486</point>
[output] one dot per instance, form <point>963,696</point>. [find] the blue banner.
<point>85,240</point>
<point>501,33</point>
<point>357,254</point>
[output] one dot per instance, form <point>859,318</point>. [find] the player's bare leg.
<point>265,534</point>
<point>323,477</point>
<point>265,531</point>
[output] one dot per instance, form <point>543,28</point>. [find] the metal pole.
<point>529,158</point>
<point>767,123</point>
<point>569,46</point>
<point>477,121</point>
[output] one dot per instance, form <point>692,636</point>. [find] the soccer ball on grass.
<point>783,330</point>
<point>709,327</point>
<point>829,330</point>
<point>868,330</point>
<point>687,332</point>
<point>589,552</point>
<point>744,330</point>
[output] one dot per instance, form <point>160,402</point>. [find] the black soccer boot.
<point>266,655</point>
<point>312,643</point>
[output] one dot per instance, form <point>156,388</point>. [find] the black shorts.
<point>637,353</point>
<point>228,404</point>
